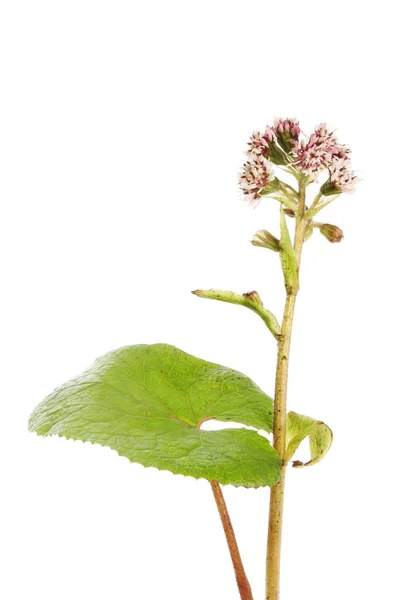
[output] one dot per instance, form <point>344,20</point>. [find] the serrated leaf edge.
<point>252,485</point>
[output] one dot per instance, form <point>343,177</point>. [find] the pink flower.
<point>255,177</point>
<point>318,152</point>
<point>280,145</point>
<point>260,142</point>
<point>287,125</point>
<point>341,178</point>
<point>265,144</point>
<point>287,132</point>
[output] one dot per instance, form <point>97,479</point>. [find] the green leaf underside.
<point>148,402</point>
<point>319,434</point>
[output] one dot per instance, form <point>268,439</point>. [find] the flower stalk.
<point>275,519</point>
<point>305,159</point>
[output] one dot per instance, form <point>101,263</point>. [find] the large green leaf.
<point>148,403</point>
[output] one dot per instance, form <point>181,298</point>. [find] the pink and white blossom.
<point>259,142</point>
<point>317,154</point>
<point>341,176</point>
<point>256,175</point>
<point>284,145</point>
<point>290,126</point>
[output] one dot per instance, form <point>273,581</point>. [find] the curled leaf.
<point>298,428</point>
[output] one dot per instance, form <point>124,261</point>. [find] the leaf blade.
<point>148,402</point>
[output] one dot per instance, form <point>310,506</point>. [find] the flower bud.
<point>287,132</point>
<point>265,239</point>
<point>289,212</point>
<point>253,297</point>
<point>331,232</point>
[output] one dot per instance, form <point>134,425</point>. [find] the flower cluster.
<point>281,145</point>
<point>318,152</point>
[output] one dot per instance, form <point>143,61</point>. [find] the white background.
<point>123,125</point>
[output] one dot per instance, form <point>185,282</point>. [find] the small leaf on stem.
<point>288,257</point>
<point>309,230</point>
<point>251,300</point>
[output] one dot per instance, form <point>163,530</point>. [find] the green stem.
<point>314,209</point>
<point>317,198</point>
<point>277,491</point>
<point>241,578</point>
<point>290,188</point>
<point>288,202</point>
